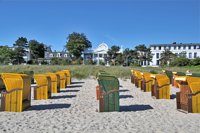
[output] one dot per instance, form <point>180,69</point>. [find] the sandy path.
<point>74,110</point>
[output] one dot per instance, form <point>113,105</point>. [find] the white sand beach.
<point>75,110</point>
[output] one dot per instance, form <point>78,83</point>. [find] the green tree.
<point>144,54</point>
<point>112,53</point>
<point>6,55</point>
<point>37,49</point>
<point>166,57</point>
<point>77,43</point>
<point>20,45</point>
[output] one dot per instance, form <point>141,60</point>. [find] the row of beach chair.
<point>16,96</point>
<point>188,98</point>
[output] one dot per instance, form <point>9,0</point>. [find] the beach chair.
<point>62,79</point>
<point>147,82</point>
<point>161,87</point>
<point>174,82</point>
<point>54,82</point>
<point>169,75</point>
<point>109,93</point>
<point>68,79</point>
<point>42,90</point>
<point>188,99</point>
<point>138,79</point>
<point>17,96</point>
<point>132,76</point>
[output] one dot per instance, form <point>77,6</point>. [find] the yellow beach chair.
<point>146,82</point>
<point>17,96</point>
<point>43,89</point>
<point>62,79</point>
<point>68,79</point>
<point>54,82</point>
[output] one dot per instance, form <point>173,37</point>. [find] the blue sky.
<point>115,22</point>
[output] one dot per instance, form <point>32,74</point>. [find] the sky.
<point>125,23</point>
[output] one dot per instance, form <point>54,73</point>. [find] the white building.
<point>98,54</point>
<point>192,51</point>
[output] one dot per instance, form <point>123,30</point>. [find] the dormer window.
<point>58,54</point>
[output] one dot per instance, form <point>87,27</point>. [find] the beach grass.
<point>87,71</point>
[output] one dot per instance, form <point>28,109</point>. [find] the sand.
<point>74,110</point>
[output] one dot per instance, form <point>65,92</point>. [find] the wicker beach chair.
<point>138,79</point>
<point>17,96</point>
<point>109,93</point>
<point>147,82</point>
<point>68,79</point>
<point>188,99</point>
<point>161,87</point>
<point>132,76</point>
<point>62,79</point>
<point>174,82</point>
<point>43,89</point>
<point>54,82</point>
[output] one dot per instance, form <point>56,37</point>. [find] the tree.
<point>6,55</point>
<point>166,57</point>
<point>37,49</point>
<point>144,54</point>
<point>77,43</point>
<point>112,53</point>
<point>20,45</point>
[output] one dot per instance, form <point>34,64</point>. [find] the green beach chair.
<point>109,93</point>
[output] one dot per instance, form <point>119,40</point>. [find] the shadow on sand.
<point>48,106</point>
<point>64,96</point>
<point>77,82</point>
<point>123,90</point>
<point>135,108</point>
<point>69,90</point>
<point>173,96</point>
<point>74,86</point>
<point>125,96</point>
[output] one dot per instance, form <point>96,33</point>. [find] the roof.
<point>177,44</point>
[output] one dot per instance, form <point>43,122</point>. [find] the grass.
<point>86,71</point>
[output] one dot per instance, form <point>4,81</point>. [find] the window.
<point>190,55</point>
<point>65,55</point>
<point>169,47</point>
<point>50,55</point>
<point>154,47</point>
<point>179,47</point>
<point>184,47</point>
<point>194,46</point>
<point>195,55</point>
<point>58,54</point>
<point>100,55</point>
<point>95,55</point>
<point>105,55</point>
<point>174,47</point>
<point>176,54</point>
<point>159,47</point>
<point>189,47</point>
<point>157,55</point>
<point>164,47</point>
<point>157,62</point>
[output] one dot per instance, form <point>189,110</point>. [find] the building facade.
<point>191,50</point>
<point>49,54</point>
<point>98,54</point>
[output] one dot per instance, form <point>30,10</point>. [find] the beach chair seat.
<point>132,76</point>
<point>17,96</point>
<point>54,84</point>
<point>161,87</point>
<point>42,90</point>
<point>174,82</point>
<point>68,79</point>
<point>146,82</point>
<point>138,79</point>
<point>188,99</point>
<point>109,93</point>
<point>169,75</point>
<point>62,79</point>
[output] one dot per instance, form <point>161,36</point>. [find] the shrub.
<point>89,62</point>
<point>195,62</point>
<point>181,61</point>
<point>101,63</point>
